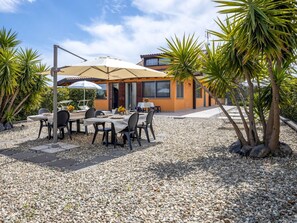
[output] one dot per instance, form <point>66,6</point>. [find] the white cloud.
<point>11,5</point>
<point>146,32</point>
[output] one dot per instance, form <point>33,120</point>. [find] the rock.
<point>245,150</point>
<point>235,147</point>
<point>2,128</point>
<point>285,149</point>
<point>8,126</point>
<point>259,151</point>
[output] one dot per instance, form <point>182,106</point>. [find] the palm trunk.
<point>19,106</point>
<point>273,142</point>
<point>3,110</point>
<point>13,99</point>
<point>243,100</point>
<point>1,98</point>
<point>246,128</point>
<point>237,130</point>
<point>261,112</point>
<point>254,138</point>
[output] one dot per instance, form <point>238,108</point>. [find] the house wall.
<point>187,101</point>
<point>101,104</point>
<point>167,104</point>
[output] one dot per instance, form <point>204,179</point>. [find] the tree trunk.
<point>254,138</point>
<point>19,108</point>
<point>1,98</point>
<point>261,112</point>
<point>237,130</point>
<point>273,142</point>
<point>246,128</point>
<point>12,100</point>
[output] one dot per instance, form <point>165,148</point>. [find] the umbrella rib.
<point>81,73</point>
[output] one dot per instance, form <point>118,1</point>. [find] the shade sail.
<point>109,69</point>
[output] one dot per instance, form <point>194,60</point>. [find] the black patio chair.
<point>90,113</point>
<point>146,125</point>
<point>103,129</point>
<point>62,123</point>
<point>131,130</point>
<point>43,122</point>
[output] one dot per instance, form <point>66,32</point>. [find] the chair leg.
<point>152,130</point>
<point>103,136</point>
<point>41,125</point>
<point>137,137</point>
<point>49,132</point>
<point>127,134</point>
<point>70,126</point>
<point>95,134</point>
<point>86,130</point>
<point>69,132</point>
<point>140,132</point>
<point>106,139</point>
<point>146,133</point>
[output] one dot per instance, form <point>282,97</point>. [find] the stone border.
<point>290,123</point>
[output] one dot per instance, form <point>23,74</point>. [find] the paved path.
<point>201,112</point>
<point>208,113</point>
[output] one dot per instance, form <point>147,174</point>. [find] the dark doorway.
<point>115,95</point>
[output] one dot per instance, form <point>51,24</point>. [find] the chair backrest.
<point>90,113</point>
<point>43,110</point>
<point>62,118</point>
<point>149,117</point>
<point>98,113</point>
<point>132,121</point>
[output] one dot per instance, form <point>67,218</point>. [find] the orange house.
<point>165,92</point>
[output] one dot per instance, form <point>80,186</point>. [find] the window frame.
<point>155,94</point>
<point>181,85</point>
<point>200,95</point>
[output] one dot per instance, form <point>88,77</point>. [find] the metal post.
<point>54,72</point>
<point>55,92</point>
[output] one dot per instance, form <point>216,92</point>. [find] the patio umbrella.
<point>84,85</point>
<point>109,69</point>
<point>104,68</point>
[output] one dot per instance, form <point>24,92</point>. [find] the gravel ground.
<point>186,175</point>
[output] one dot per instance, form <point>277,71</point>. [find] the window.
<point>156,61</point>
<point>164,61</point>
<point>101,93</point>
<point>156,89</point>
<point>149,89</point>
<point>163,89</point>
<point>198,92</point>
<point>180,89</point>
<point>151,62</point>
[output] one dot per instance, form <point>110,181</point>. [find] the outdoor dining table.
<point>75,116</point>
<point>118,122</point>
<point>145,105</point>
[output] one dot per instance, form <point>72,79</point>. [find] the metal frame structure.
<point>54,72</point>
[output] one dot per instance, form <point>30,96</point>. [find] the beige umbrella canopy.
<point>109,69</point>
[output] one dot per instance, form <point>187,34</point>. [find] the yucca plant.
<point>257,42</point>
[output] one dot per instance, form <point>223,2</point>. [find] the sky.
<point>123,29</point>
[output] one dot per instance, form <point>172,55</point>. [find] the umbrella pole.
<point>84,96</point>
<point>55,101</point>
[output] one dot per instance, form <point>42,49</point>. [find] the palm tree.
<point>266,29</point>
<point>187,59</point>
<point>257,42</point>
<point>19,79</point>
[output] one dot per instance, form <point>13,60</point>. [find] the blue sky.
<point>118,28</point>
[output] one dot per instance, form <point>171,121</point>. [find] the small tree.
<point>19,79</point>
